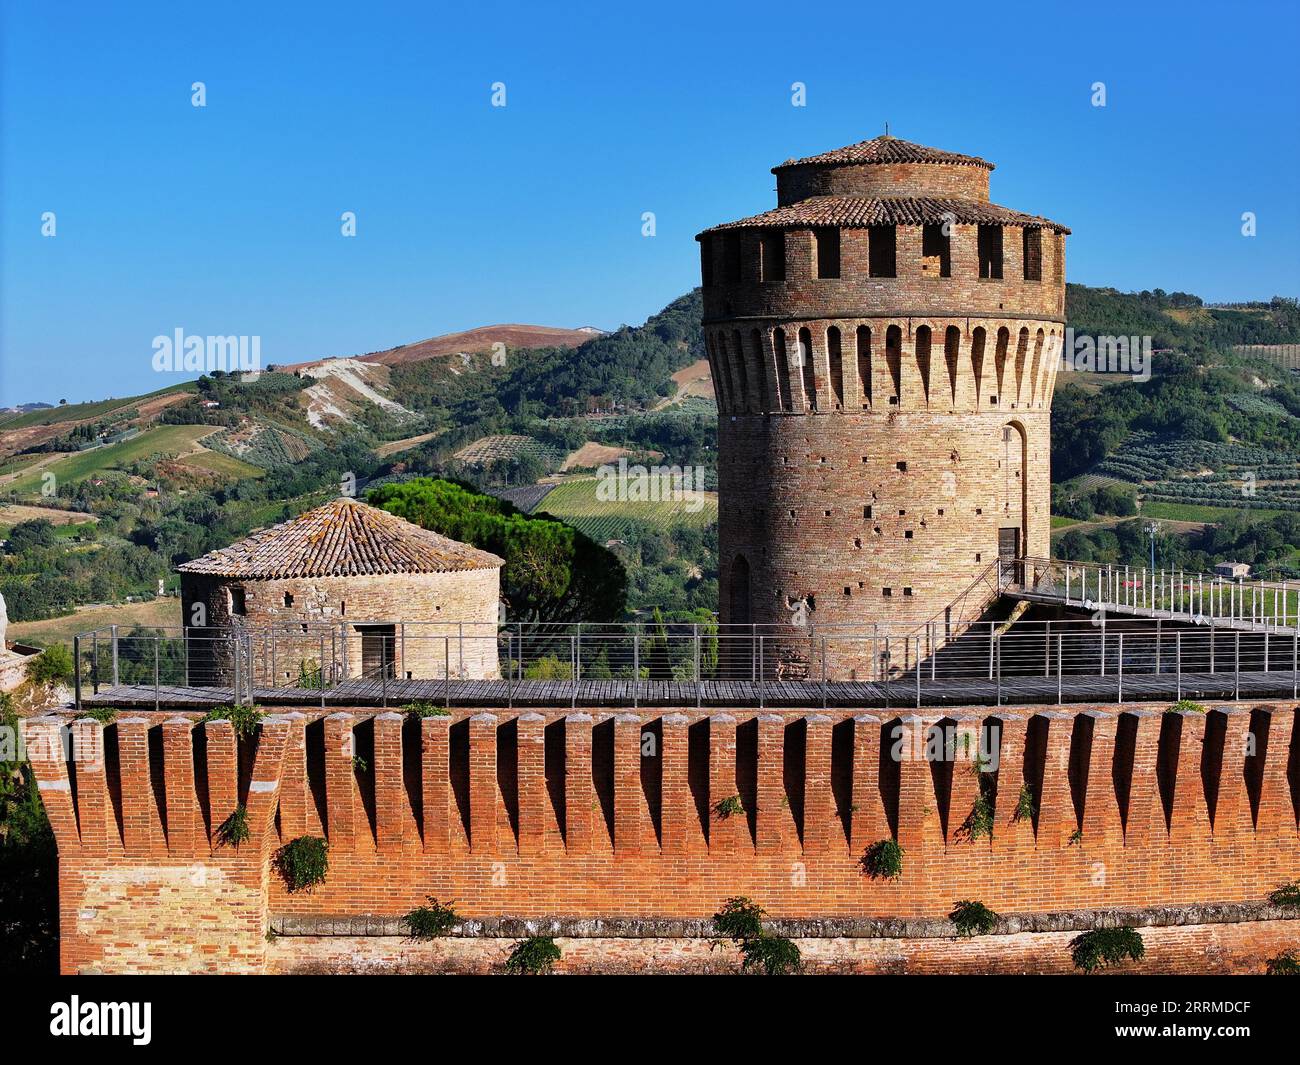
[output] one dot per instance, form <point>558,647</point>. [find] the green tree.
<point>28,535</point>
<point>552,571</point>
<point>28,883</point>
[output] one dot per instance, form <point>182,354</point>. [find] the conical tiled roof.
<point>885,149</point>
<point>344,538</point>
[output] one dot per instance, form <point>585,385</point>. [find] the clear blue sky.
<point>225,219</point>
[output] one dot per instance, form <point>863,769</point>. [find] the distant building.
<point>343,585</point>
<point>1235,570</point>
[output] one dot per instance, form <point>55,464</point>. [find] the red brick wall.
<point>940,180</point>
<point>579,815</point>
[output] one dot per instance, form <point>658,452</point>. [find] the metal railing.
<point>1198,598</point>
<point>1108,657</point>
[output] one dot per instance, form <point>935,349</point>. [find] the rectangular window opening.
<point>826,249</point>
<point>990,252</point>
<point>882,251</point>
<point>1033,253</point>
<point>936,251</point>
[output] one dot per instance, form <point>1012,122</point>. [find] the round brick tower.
<point>883,347</point>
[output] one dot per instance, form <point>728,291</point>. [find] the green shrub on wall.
<point>431,921</point>
<point>883,860</point>
<point>234,829</point>
<point>243,719</point>
<point>1104,947</point>
<point>741,920</point>
<point>731,806</point>
<point>304,862</point>
<point>1287,895</point>
<point>973,918</point>
<point>423,708</point>
<point>534,956</point>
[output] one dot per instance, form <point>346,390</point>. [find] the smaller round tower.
<point>348,585</point>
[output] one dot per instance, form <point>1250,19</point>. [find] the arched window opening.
<point>894,361</point>
<point>835,360</point>
<point>782,369</point>
<point>742,378</point>
<point>923,358</point>
<point>725,373</point>
<point>806,365</point>
<point>864,364</point>
<point>719,389</point>
<point>1000,360</point>
<point>951,351</point>
<point>1036,366</point>
<point>1022,352</point>
<point>763,364</point>
<point>977,360</point>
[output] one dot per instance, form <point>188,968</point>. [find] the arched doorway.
<point>1013,534</point>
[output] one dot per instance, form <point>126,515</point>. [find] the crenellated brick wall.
<point>592,816</point>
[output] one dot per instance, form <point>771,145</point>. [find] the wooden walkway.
<point>901,693</point>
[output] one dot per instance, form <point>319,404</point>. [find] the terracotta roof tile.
<point>885,150</point>
<point>856,212</point>
<point>343,538</point>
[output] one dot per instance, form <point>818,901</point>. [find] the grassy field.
<point>392,447</point>
<point>165,439</point>
<point>1060,522</point>
<point>17,463</point>
<point>1193,512</point>
<point>575,501</point>
<point>154,614</point>
<point>75,411</point>
<point>226,465</point>
<point>12,513</point>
